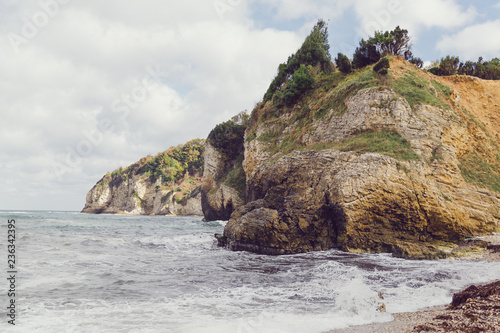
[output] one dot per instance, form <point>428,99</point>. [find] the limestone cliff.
<point>401,161</point>
<point>223,177</point>
<point>167,184</point>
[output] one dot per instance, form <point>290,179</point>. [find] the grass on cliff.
<point>326,98</point>
<point>383,142</point>
<point>417,90</point>
<point>476,170</point>
<point>346,86</point>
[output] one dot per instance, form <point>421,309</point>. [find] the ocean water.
<point>104,273</point>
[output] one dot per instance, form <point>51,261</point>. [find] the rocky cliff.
<point>396,161</point>
<point>166,184</point>
<point>223,188</point>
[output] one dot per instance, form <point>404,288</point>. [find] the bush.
<point>343,63</point>
<point>417,62</point>
<point>382,66</point>
<point>449,65</point>
<point>300,82</point>
<point>366,54</point>
<point>488,70</point>
<point>395,42</point>
<point>228,137</point>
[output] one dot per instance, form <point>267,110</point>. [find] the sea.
<point>112,273</point>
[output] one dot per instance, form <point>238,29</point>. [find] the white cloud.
<point>298,9</point>
<point>411,14</point>
<point>473,41</point>
<point>67,78</point>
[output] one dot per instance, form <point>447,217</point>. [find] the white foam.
<point>146,274</point>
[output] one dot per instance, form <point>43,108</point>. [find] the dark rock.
<point>475,292</point>
<point>221,240</point>
<point>494,248</point>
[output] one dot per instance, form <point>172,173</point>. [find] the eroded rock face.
<point>316,200</point>
<point>218,200</point>
<point>138,196</point>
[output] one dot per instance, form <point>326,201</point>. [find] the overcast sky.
<point>87,86</point>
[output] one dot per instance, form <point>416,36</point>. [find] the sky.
<point>87,86</point>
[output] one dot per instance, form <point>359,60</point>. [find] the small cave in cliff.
<point>335,222</point>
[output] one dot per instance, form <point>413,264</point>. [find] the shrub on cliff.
<point>451,65</point>
<point>395,42</point>
<point>447,66</point>
<point>366,54</point>
<point>343,63</point>
<point>300,82</point>
<point>382,66</point>
<point>228,138</point>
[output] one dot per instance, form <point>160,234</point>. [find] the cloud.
<point>412,15</point>
<point>157,78</point>
<point>95,85</point>
<point>473,41</point>
<point>297,9</point>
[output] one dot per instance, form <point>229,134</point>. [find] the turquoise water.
<point>104,273</point>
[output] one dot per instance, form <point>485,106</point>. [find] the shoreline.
<point>480,311</point>
<point>402,322</point>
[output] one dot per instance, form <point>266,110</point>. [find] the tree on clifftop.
<point>314,51</point>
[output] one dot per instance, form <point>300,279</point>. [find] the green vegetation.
<point>451,65</point>
<point>382,66</point>
<point>313,52</point>
<point>300,82</point>
<point>447,66</point>
<point>236,178</point>
<point>417,90</point>
<point>383,142</point>
<point>348,87</point>
<point>329,92</point>
<point>395,42</point>
<point>139,200</point>
<point>169,166</point>
<point>343,63</point>
<point>476,170</point>
<point>228,138</point>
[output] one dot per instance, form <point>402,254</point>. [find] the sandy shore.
<point>474,314</point>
